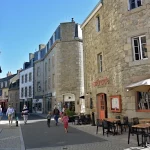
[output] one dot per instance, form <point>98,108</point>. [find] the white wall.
<point>27,84</point>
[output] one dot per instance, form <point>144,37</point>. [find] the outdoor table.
<point>114,122</point>
<point>145,120</point>
<point>142,127</point>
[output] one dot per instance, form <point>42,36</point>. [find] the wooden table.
<point>112,120</point>
<point>145,120</point>
<point>142,127</point>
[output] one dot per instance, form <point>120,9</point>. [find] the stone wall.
<point>118,26</point>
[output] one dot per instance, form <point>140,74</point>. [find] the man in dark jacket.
<point>56,114</point>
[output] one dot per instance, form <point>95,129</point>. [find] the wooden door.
<point>102,108</point>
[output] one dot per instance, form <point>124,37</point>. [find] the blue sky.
<point>24,24</point>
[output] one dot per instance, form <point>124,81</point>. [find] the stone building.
<point>14,95</point>
<point>13,92</point>
<point>62,69</point>
<point>4,88</point>
<point>116,43</point>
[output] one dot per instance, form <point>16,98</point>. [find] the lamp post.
<point>0,66</point>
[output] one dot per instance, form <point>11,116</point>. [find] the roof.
<point>7,78</point>
<point>93,12</point>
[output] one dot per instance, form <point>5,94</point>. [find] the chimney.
<point>41,46</point>
<point>31,55</point>
<point>9,74</point>
<point>72,19</point>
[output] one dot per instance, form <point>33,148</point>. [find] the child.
<point>65,120</point>
<point>49,118</point>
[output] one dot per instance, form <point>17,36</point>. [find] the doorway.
<point>101,106</point>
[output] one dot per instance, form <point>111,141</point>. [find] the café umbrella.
<point>142,86</point>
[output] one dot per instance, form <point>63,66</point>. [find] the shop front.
<point>37,106</point>
<point>69,101</point>
<point>4,104</point>
<point>48,102</point>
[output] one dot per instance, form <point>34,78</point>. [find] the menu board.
<point>115,103</point>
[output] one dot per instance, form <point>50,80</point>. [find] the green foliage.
<point>70,113</point>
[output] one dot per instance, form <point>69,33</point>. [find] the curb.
<point>21,139</point>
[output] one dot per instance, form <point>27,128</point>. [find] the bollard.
<point>93,119</point>
<point>16,121</point>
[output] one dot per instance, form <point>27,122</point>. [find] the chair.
<point>98,124</point>
<point>135,120</point>
<point>133,131</point>
<point>105,126</point>
<point>125,122</point>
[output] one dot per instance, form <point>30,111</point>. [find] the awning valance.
<point>143,86</point>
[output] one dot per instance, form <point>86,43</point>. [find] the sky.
<point>24,24</point>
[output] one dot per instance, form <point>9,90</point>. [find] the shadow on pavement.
<point>36,134</point>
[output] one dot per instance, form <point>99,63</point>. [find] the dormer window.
<point>134,4</point>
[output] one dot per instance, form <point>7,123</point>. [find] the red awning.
<point>3,100</point>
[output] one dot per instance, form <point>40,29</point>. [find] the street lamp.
<point>0,70</point>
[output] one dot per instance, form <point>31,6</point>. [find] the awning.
<point>143,86</point>
<point>82,97</point>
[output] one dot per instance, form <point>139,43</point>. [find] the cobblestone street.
<point>37,136</point>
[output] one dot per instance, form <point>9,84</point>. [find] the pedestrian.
<point>49,116</point>
<point>65,120</point>
<point>1,113</point>
<point>56,114</point>
<point>25,113</point>
<point>10,113</point>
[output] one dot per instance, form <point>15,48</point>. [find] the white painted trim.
<point>90,16</point>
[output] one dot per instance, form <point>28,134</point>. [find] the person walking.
<point>56,114</point>
<point>65,120</point>
<point>49,116</point>
<point>9,113</point>
<point>25,113</point>
<point>1,113</point>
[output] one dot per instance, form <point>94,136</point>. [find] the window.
<point>25,91</point>
<point>30,91</point>
<point>38,86</point>
<point>100,69</point>
<point>143,101</point>
<point>1,84</point>
<point>38,71</point>
<point>49,64</point>
<point>22,91</point>
<point>5,83</point>
<point>134,4</point>
<point>49,83</point>
<point>53,61</point>
<point>30,76</point>
<point>22,78</point>
<point>139,47</point>
<point>46,85</point>
<point>5,94</point>
<point>26,78</point>
<point>46,69</point>
<point>98,23</point>
<point>53,80</point>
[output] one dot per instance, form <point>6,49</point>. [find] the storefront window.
<point>143,101</point>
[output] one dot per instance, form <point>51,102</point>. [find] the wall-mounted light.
<point>127,90</point>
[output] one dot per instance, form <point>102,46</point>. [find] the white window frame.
<point>133,47</point>
<point>129,8</point>
<point>100,62</point>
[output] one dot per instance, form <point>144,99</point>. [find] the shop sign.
<point>100,82</point>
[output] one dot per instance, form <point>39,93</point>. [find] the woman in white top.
<point>1,113</point>
<point>9,113</point>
